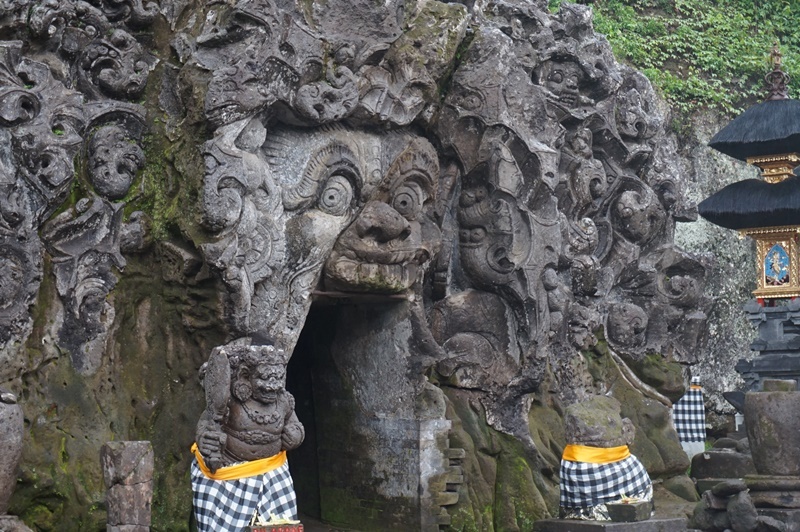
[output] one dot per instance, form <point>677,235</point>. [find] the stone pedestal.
<point>570,525</point>
<point>128,475</point>
<point>773,425</point>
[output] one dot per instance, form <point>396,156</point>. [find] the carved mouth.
<point>349,275</point>
<point>569,99</point>
<point>384,256</point>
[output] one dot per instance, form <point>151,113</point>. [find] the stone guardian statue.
<point>240,471</point>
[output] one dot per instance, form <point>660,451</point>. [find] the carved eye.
<point>408,200</point>
<point>337,195</point>
<point>556,77</point>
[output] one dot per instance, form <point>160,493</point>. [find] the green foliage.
<point>703,53</point>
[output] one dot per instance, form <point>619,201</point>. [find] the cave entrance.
<point>359,466</point>
<point>310,357</point>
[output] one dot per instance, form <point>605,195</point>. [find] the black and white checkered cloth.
<point>585,485</point>
<point>689,415</point>
<point>229,505</point>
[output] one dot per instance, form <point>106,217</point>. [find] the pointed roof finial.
<point>777,80</point>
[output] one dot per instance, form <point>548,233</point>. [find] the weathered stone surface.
<point>770,524</point>
<point>790,519</point>
<point>742,513</point>
<point>630,512</point>
<point>780,385</point>
<point>772,425</point>
<point>128,475</point>
<point>127,462</point>
<point>722,464</point>
<point>502,188</point>
<point>9,523</point>
<point>729,487</point>
<point>682,486</point>
<point>11,431</point>
<point>776,499</point>
<point>130,505</point>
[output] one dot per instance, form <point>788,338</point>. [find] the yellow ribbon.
<point>595,455</point>
<point>245,469</point>
<point>695,387</point>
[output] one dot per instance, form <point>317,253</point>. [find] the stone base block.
<point>791,518</point>
<point>631,512</point>
<point>127,528</point>
<point>724,463</point>
<point>569,525</point>
<point>11,523</point>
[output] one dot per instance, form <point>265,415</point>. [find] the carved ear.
<point>628,430</point>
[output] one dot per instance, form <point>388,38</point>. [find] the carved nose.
<point>381,222</point>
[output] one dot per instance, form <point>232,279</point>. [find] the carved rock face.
<point>382,250</point>
<point>489,236</point>
<point>562,79</point>
<point>279,213</point>
<point>114,160</point>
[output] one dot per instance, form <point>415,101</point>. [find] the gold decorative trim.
<point>758,231</point>
<point>776,168</point>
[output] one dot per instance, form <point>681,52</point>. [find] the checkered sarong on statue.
<point>689,415</point>
<point>584,484</point>
<point>222,505</point>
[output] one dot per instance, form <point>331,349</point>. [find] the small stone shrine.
<point>768,136</point>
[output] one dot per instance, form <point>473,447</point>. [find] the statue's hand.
<point>211,443</point>
<point>292,436</point>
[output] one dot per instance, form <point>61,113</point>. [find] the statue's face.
<point>487,228</point>
<point>113,162</point>
<point>563,80</point>
<point>280,211</point>
<point>267,381</point>
<point>382,250</point>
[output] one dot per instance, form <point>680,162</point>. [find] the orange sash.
<point>595,455</point>
<point>245,469</point>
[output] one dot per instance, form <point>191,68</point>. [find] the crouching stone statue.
<point>240,466</point>
<point>597,468</point>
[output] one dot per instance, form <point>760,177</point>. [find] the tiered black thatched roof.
<point>768,128</point>
<point>753,203</point>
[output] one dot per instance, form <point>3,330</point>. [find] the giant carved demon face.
<point>278,202</point>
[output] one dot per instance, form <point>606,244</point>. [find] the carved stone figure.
<point>597,467</point>
<point>240,463</point>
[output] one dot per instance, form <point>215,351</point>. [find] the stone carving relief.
<point>50,128</point>
<point>491,176</point>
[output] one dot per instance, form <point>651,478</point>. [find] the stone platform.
<point>571,525</point>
